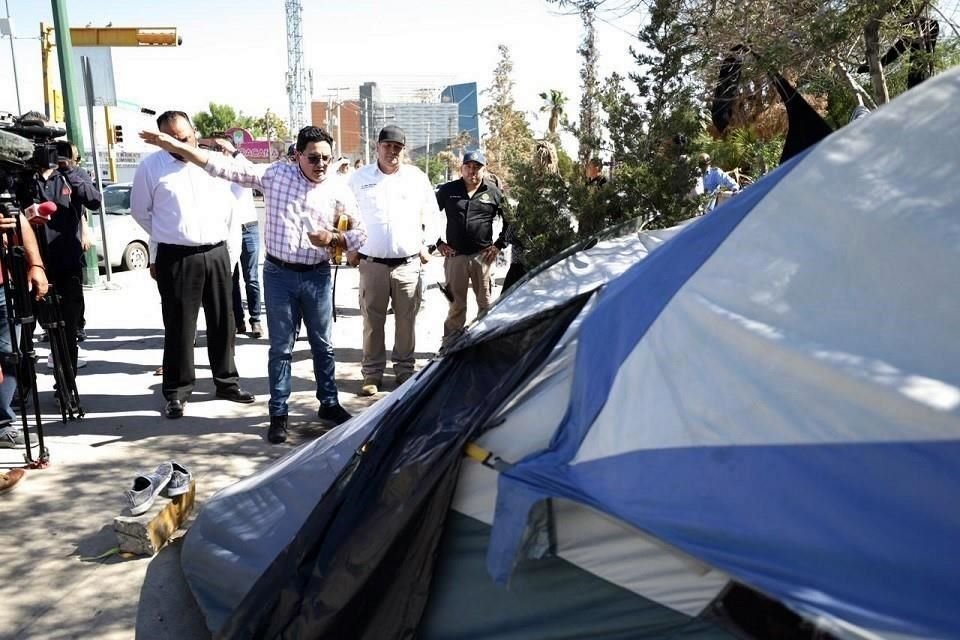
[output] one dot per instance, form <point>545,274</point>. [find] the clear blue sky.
<point>234,51</point>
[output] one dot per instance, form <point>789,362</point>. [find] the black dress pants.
<point>188,278</point>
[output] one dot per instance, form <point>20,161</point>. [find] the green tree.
<point>270,126</point>
<point>588,127</point>
<point>510,141</point>
<point>651,173</point>
<point>541,224</point>
<point>554,103</point>
<point>436,168</point>
<point>219,118</point>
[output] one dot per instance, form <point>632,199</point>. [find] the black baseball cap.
<point>392,133</point>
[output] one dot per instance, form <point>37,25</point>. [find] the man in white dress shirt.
<point>399,210</point>
<point>189,216</point>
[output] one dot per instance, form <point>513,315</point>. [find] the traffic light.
<point>117,134</point>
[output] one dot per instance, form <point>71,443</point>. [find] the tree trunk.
<point>871,36</point>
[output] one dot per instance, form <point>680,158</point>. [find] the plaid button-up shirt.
<point>294,206</point>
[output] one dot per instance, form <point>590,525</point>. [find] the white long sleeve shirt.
<point>178,203</point>
<point>399,210</point>
<point>246,207</point>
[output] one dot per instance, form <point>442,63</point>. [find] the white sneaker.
<point>50,360</point>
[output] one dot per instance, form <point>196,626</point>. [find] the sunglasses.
<point>317,159</point>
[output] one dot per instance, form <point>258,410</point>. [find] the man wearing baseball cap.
<point>471,204</point>
<point>397,208</point>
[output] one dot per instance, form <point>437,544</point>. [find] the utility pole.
<point>339,120</point>
<point>365,129</point>
<point>13,58</point>
<point>61,25</point>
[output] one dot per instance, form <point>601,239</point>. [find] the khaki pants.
<point>379,285</point>
<point>463,272</point>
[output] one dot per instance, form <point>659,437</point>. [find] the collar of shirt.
<point>394,208</point>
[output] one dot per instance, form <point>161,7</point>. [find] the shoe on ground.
<point>174,409</point>
<point>236,395</point>
<point>9,479</point>
<point>256,331</point>
<point>50,360</point>
<point>146,488</point>
<point>333,413</point>
<point>241,328</point>
<point>81,362</point>
<point>158,371</point>
<point>12,437</point>
<point>81,335</point>
<point>370,386</point>
<point>403,376</point>
<point>277,432</point>
<point>179,481</point>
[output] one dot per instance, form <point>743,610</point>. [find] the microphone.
<point>40,213</point>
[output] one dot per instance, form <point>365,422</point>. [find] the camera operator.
<point>10,434</point>
<point>67,235</point>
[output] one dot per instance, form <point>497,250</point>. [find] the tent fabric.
<point>785,402</point>
<point>604,547</point>
<point>360,565</point>
<point>551,598</point>
<point>242,528</point>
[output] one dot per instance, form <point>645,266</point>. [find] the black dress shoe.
<point>237,395</point>
<point>334,413</point>
<point>278,429</point>
<point>174,409</point>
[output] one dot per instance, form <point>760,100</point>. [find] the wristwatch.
<point>235,153</point>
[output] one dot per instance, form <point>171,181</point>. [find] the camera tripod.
<point>49,315</point>
<point>23,313</point>
<point>20,323</point>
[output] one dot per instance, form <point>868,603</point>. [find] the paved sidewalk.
<point>58,518</point>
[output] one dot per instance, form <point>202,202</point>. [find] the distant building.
<point>349,132</point>
<point>468,113</point>
<point>432,124</point>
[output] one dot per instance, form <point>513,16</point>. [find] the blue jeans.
<point>9,385</point>
<point>291,297</point>
<point>249,266</point>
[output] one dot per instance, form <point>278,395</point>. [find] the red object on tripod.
<point>40,213</point>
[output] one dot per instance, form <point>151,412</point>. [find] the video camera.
<point>26,147</point>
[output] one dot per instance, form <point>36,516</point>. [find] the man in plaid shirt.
<point>302,211</point>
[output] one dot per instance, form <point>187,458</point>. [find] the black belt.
<point>390,262</point>
<point>296,266</point>
<point>185,250</point>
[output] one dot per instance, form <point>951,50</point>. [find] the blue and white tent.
<point>765,401</point>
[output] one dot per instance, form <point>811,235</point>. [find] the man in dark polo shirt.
<point>471,204</point>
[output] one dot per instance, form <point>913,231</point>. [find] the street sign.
<point>101,69</point>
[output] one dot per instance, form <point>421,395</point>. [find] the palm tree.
<point>553,101</point>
